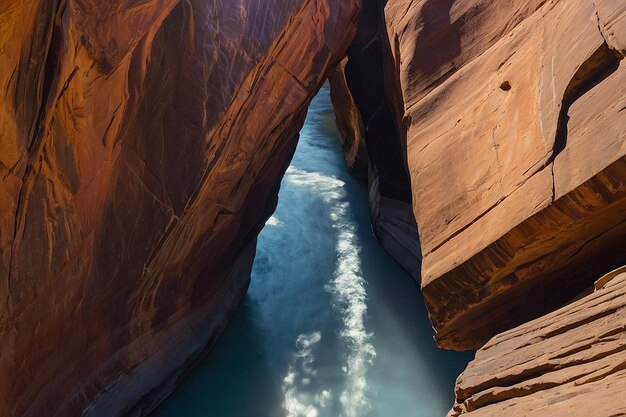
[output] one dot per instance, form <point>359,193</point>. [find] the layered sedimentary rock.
<point>512,120</point>
<point>571,362</point>
<point>141,147</point>
<point>510,116</point>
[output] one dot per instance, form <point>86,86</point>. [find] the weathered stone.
<point>141,148</point>
<point>349,123</point>
<point>571,362</point>
<point>515,147</point>
<point>373,90</point>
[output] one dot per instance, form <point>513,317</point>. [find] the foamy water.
<point>331,325</point>
<point>349,301</point>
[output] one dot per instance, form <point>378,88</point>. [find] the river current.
<point>331,326</point>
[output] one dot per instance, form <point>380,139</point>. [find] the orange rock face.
<point>516,137</point>
<point>512,115</point>
<point>141,147</point>
<point>349,123</point>
<point>571,362</point>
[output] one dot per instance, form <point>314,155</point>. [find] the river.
<point>331,326</point>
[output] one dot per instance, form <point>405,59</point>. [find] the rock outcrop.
<point>142,144</point>
<point>571,362</point>
<point>511,119</point>
<point>141,148</point>
<point>349,123</point>
<point>516,222</point>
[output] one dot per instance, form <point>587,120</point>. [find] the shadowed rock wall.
<point>510,116</point>
<point>141,148</point>
<point>371,85</point>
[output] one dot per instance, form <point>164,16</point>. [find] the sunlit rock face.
<point>368,82</point>
<point>141,147</point>
<point>516,146</point>
<point>567,363</point>
<point>513,113</point>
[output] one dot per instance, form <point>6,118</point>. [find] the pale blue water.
<point>331,325</point>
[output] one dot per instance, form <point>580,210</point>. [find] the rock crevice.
<point>372,88</point>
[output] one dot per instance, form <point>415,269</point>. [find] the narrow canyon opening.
<point>331,324</point>
<point>143,146</point>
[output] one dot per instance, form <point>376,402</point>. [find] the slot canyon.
<point>316,208</point>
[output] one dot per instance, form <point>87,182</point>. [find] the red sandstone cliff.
<point>142,144</point>
<point>349,123</point>
<point>510,118</point>
<point>570,363</point>
<point>516,139</point>
<point>141,147</point>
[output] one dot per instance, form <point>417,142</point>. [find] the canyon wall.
<point>143,142</point>
<point>570,363</point>
<point>516,142</point>
<point>349,123</point>
<point>510,116</point>
<point>141,150</point>
<point>365,82</point>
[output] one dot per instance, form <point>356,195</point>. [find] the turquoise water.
<point>331,325</point>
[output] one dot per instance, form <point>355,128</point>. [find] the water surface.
<point>331,326</point>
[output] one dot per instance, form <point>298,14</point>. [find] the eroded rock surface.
<point>372,87</point>
<point>512,118</point>
<point>349,123</point>
<point>141,147</point>
<point>516,137</point>
<point>571,362</point>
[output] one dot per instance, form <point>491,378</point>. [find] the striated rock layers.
<point>141,147</point>
<point>142,144</point>
<point>512,123</point>
<point>516,141</point>
<point>569,363</point>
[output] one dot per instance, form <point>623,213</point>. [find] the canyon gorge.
<point>143,143</point>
